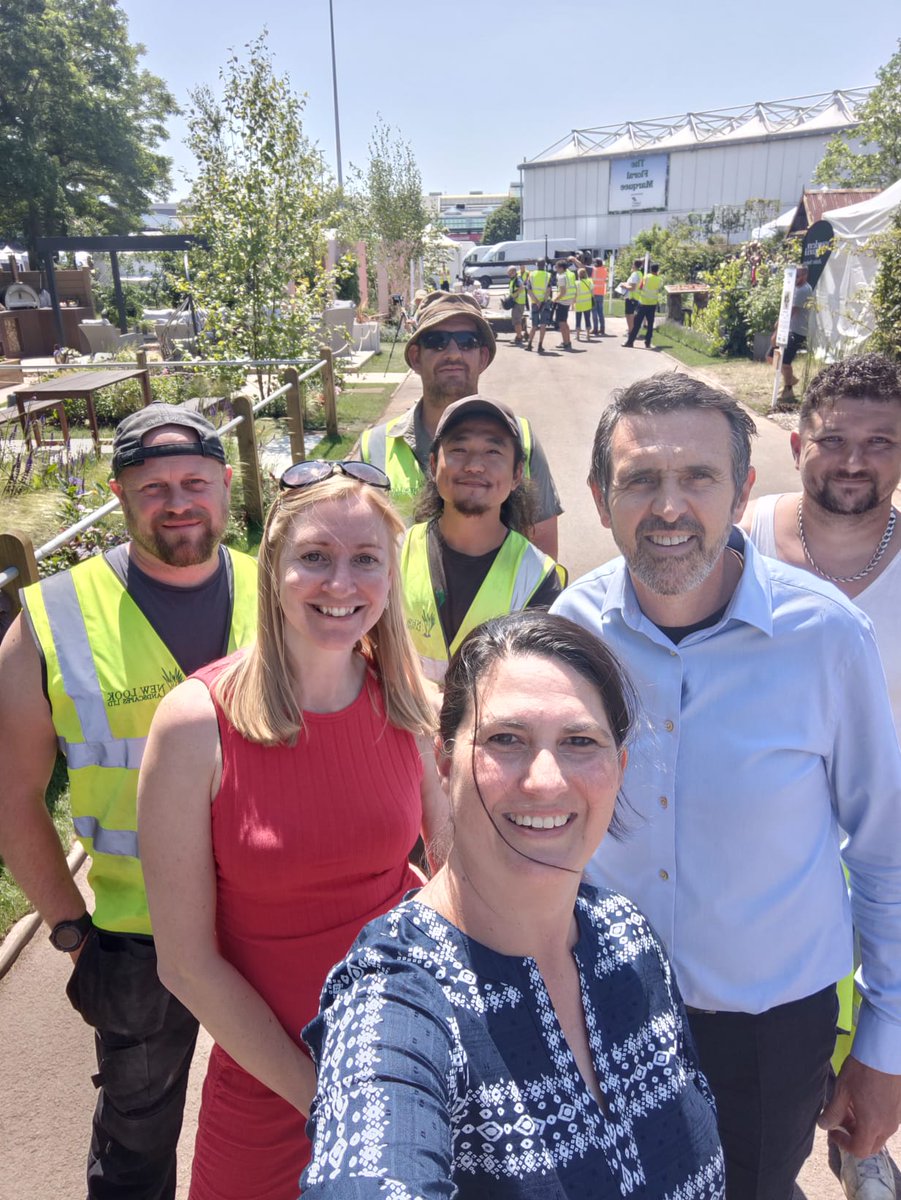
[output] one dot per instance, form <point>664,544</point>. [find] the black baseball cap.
<point>128,444</point>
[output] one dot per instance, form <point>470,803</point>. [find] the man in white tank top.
<point>841,527</point>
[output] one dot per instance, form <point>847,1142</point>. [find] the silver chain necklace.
<point>871,565</point>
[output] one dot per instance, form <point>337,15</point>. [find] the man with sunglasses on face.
<point>452,346</point>
<point>83,669</point>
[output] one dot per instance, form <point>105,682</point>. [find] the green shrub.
<point>887,292</point>
<point>724,319</point>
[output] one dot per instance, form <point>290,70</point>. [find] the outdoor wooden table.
<point>32,401</point>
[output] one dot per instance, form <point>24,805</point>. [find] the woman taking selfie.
<point>281,793</point>
<point>510,1032</point>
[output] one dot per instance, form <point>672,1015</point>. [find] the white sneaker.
<point>870,1178</point>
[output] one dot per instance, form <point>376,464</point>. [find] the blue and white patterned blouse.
<point>443,1071</point>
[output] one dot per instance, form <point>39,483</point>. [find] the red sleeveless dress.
<point>310,843</point>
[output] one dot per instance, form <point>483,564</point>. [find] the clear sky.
<point>476,86</point>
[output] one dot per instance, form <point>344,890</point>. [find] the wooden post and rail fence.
<point>19,560</point>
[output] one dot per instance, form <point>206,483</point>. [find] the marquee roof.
<point>824,112</point>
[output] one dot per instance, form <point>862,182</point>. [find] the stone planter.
<point>761,346</point>
<point>366,336</point>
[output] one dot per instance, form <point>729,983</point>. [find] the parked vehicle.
<point>476,255</point>
<point>493,268</point>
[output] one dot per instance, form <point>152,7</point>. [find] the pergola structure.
<point>46,247</point>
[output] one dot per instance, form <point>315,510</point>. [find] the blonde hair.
<point>258,692</point>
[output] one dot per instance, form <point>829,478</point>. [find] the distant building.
<point>464,216</point>
<point>603,186</point>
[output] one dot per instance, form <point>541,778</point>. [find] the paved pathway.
<point>46,1096</point>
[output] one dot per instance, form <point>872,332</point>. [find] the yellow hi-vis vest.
<point>518,292</point>
<point>566,288</point>
<point>539,282</point>
<point>515,576</point>
<point>584,296</point>
<point>385,446</point>
<point>107,671</point>
<point>649,292</point>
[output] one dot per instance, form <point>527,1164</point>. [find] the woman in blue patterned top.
<point>508,1031</point>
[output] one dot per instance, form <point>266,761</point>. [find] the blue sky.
<point>475,87</point>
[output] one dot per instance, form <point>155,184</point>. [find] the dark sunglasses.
<point>316,470</point>
<point>440,339</point>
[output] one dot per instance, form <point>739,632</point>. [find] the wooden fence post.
<point>329,397</point>
<point>16,550</point>
<point>294,406</point>
<point>250,460</point>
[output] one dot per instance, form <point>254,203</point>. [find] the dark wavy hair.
<point>860,377</point>
<point>545,635</point>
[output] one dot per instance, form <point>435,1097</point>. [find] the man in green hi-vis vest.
<point>451,347</point>
<point>83,669</point>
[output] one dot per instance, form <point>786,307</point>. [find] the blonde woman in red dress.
<point>281,794</point>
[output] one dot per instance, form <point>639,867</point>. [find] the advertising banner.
<point>816,249</point>
<point>638,184</point>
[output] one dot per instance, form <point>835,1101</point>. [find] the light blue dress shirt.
<point>767,742</point>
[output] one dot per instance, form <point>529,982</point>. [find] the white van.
<point>493,268</point>
<point>476,255</point>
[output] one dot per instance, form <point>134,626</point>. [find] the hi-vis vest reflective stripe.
<point>599,281</point>
<point>107,671</point>
<point>518,289</point>
<point>539,281</point>
<point>516,574</point>
<point>584,296</point>
<point>384,446</point>
<point>566,288</point>
<point>649,293</point>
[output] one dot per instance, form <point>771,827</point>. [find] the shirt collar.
<point>751,602</point>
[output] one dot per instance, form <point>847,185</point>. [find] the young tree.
<point>257,203</point>
<point>503,224</point>
<point>79,121</point>
<point>880,127</point>
<point>385,207</point>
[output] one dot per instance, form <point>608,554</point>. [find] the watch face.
<point>67,938</point>
<point>69,935</point>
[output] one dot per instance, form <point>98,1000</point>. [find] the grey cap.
<point>128,444</point>
<point>478,406</point>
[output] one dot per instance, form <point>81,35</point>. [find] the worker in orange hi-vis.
<point>599,285</point>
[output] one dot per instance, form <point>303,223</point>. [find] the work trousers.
<point>768,1073</point>
<point>598,315</point>
<point>145,1041</point>
<point>645,313</point>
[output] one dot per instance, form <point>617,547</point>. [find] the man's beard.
<point>832,502</point>
<point>471,506</point>
<point>453,387</point>
<point>188,549</point>
<point>675,575</point>
<point>178,551</point>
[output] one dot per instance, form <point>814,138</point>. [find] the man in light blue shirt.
<point>768,743</point>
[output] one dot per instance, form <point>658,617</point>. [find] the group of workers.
<point>550,292</point>
<point>620,977</point>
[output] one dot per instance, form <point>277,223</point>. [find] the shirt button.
<point>664,875</point>
<point>672,653</point>
<point>664,802</point>
<point>668,726</point>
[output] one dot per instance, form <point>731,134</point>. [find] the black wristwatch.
<point>70,935</point>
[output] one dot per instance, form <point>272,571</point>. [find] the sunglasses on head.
<point>317,470</point>
<point>440,339</point>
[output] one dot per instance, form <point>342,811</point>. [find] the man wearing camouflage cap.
<point>83,668</point>
<point>450,348</point>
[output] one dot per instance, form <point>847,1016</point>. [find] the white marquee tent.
<point>843,317</point>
